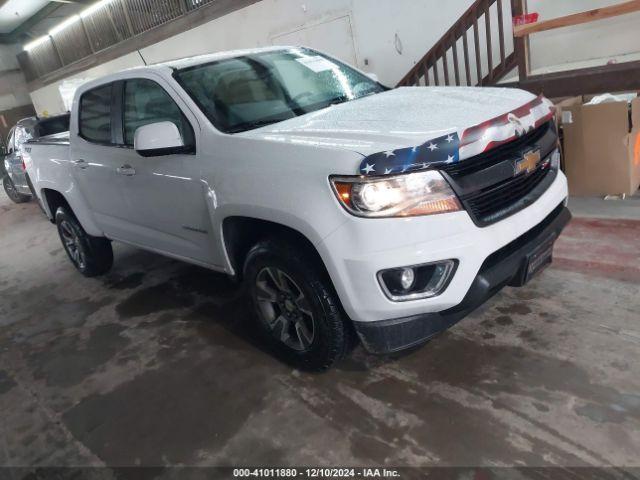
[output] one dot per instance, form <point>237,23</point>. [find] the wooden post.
<point>578,18</point>
<point>521,45</point>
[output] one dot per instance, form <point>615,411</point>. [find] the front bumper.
<point>355,252</point>
<point>503,267</point>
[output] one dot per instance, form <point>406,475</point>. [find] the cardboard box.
<point>601,146</point>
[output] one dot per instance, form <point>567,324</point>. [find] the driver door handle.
<point>126,170</point>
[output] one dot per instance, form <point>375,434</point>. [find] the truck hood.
<point>404,117</point>
<point>415,127</point>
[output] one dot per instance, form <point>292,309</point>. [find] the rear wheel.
<point>12,193</point>
<point>297,309</point>
<point>91,256</point>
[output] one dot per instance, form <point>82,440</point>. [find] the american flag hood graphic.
<point>457,146</point>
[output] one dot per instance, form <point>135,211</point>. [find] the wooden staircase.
<point>465,57</point>
<point>471,53</point>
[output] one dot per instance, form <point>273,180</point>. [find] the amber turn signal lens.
<point>444,205</point>
<point>344,192</point>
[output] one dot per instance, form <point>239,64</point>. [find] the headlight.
<point>413,194</point>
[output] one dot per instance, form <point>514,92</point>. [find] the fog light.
<point>416,282</point>
<point>407,278</point>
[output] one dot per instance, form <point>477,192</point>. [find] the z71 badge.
<point>529,163</point>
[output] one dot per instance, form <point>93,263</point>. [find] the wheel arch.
<point>241,233</point>
<point>53,199</point>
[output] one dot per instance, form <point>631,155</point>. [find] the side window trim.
<point>117,113</point>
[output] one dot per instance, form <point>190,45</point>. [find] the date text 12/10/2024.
<point>315,473</point>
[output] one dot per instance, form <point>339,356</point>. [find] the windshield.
<point>251,91</point>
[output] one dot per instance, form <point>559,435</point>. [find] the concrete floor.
<point>156,364</point>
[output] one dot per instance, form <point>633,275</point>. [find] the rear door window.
<point>95,114</point>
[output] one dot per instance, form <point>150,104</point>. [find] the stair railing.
<point>451,61</point>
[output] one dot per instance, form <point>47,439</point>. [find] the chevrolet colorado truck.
<point>15,180</point>
<point>345,207</point>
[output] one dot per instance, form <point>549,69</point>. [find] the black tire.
<point>331,337</point>
<point>12,193</point>
<point>92,256</point>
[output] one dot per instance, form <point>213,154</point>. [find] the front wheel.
<point>297,309</point>
<point>91,256</point>
<point>12,193</point>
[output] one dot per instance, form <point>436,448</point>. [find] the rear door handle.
<point>126,170</point>
<point>80,164</point>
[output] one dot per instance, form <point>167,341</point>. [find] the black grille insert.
<point>499,201</point>
<point>490,196</point>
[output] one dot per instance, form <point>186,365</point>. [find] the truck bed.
<point>55,139</point>
<point>47,162</point>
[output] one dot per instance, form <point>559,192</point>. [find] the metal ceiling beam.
<point>23,29</point>
<point>195,18</point>
<point>42,14</point>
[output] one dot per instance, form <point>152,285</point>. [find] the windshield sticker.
<point>441,150</point>
<point>473,141</point>
<point>317,64</point>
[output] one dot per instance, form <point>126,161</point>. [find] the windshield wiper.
<point>337,100</point>
<point>253,125</point>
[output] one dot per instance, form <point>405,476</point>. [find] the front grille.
<point>486,183</point>
<point>498,201</point>
<point>498,154</point>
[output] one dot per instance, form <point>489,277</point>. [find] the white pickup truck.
<point>343,205</point>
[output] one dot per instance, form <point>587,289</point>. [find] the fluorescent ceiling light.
<point>38,41</point>
<point>67,23</point>
<point>93,8</point>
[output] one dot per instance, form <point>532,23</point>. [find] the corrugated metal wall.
<point>112,23</point>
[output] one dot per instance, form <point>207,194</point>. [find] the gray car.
<point>15,180</point>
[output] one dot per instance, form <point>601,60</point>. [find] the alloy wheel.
<point>285,309</point>
<point>72,244</point>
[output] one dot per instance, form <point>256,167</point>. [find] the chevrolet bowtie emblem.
<point>529,163</point>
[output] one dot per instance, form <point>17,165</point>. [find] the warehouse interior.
<point>157,365</point>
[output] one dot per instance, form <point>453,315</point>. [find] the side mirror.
<point>158,139</point>
<point>373,77</point>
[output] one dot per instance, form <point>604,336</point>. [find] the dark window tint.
<point>147,102</point>
<point>95,115</point>
<point>53,125</point>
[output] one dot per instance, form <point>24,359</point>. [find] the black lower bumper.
<point>507,266</point>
